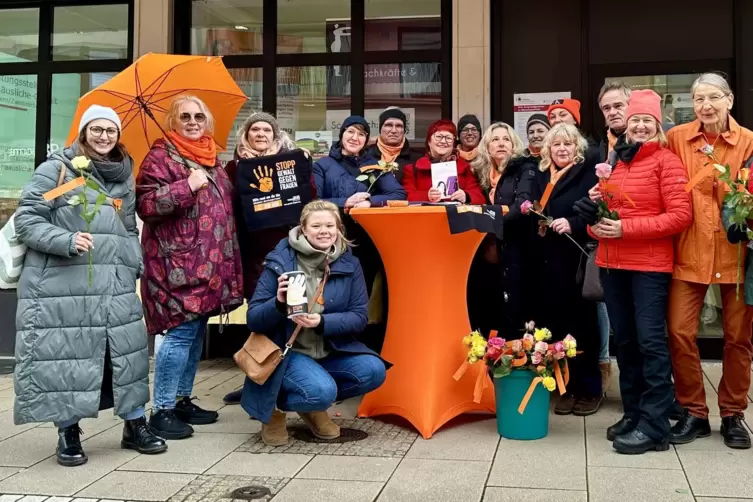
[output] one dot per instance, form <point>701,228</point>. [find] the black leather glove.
<point>587,210</point>
<point>735,235</point>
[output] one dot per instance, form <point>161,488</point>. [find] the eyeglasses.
<point>198,117</point>
<point>713,99</point>
<point>469,130</point>
<point>97,131</point>
<point>439,138</point>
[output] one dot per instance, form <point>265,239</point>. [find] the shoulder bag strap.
<point>312,302</point>
<point>61,177</point>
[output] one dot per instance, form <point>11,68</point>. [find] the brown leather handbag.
<point>260,356</point>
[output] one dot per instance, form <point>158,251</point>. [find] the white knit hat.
<point>95,112</point>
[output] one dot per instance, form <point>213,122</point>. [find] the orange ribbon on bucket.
<point>562,382</point>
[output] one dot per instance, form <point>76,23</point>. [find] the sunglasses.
<point>198,117</point>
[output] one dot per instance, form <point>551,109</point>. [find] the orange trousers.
<point>685,302</point>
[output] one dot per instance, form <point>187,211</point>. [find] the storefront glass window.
<point>305,26</point>
<point>312,102</point>
<point>19,35</point>
<point>414,87</point>
<point>677,107</point>
<point>90,32</point>
<point>250,82</point>
<point>66,89</point>
<point>222,28</point>
<point>399,25</point>
<point>18,113</point>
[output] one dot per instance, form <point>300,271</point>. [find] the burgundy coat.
<point>191,256</point>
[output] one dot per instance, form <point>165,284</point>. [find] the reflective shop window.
<point>677,106</point>
<point>18,113</point>
<point>414,87</point>
<point>306,26</point>
<point>399,25</point>
<point>19,35</point>
<point>312,102</point>
<point>222,28</point>
<point>90,32</point>
<point>250,82</point>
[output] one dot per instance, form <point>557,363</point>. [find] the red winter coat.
<point>655,181</point>
<point>417,181</point>
<point>191,257</point>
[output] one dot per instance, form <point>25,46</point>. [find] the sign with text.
<point>335,120</point>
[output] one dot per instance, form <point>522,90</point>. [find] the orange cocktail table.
<point>427,273</point>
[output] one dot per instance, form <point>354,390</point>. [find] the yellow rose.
<point>478,350</point>
<point>80,162</point>
<point>744,174</point>
<point>467,340</point>
<point>570,352</point>
<point>549,383</point>
<point>542,334</point>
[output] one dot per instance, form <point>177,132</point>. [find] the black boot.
<point>69,451</point>
<point>166,425</point>
<point>192,414</point>
<point>234,397</point>
<point>635,443</point>
<point>624,426</point>
<point>688,429</point>
<point>735,435</point>
<point>138,436</point>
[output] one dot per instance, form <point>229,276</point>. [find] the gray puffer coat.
<point>63,326</point>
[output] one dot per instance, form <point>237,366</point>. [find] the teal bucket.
<point>509,391</point>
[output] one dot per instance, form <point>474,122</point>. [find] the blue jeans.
<point>177,361</point>
<point>310,385</point>
<point>637,303</point>
<point>132,415</point>
<point>603,318</point>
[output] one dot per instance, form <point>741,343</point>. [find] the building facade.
<point>314,62</point>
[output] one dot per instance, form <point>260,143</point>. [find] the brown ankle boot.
<point>321,425</point>
<point>275,433</point>
<point>606,376</point>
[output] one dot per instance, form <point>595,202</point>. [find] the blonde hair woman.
<point>192,260</point>
<point>560,303</point>
<point>326,363</point>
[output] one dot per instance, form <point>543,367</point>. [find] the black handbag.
<point>588,275</point>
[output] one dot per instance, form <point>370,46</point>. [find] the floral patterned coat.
<point>191,255</point>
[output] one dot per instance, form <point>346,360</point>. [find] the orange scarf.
<point>556,175</point>
<point>494,176</point>
<point>203,151</point>
<point>611,141</point>
<point>389,153</point>
<point>468,156</point>
<point>534,152</point>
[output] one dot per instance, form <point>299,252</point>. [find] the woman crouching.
<point>326,363</point>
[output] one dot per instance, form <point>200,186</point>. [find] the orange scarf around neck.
<point>389,153</point>
<point>494,176</point>
<point>203,151</point>
<point>468,156</point>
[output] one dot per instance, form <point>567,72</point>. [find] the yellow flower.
<point>472,359</point>
<point>744,174</point>
<point>570,352</point>
<point>720,168</point>
<point>549,383</point>
<point>467,340</point>
<point>478,350</point>
<point>542,334</point>
<point>80,162</point>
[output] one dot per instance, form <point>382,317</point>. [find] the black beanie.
<point>355,120</point>
<point>468,119</point>
<point>392,113</point>
<point>538,118</point>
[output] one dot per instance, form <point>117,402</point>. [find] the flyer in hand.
<point>444,177</point>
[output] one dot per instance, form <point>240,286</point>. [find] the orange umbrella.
<point>141,95</point>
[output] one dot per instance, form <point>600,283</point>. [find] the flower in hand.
<point>608,229</point>
<point>603,171</point>
<point>526,206</point>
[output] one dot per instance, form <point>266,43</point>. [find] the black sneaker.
<point>69,450</point>
<point>166,425</point>
<point>138,436</point>
<point>192,414</point>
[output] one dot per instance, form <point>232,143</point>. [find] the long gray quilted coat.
<point>62,325</point>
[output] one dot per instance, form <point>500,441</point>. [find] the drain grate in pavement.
<point>250,493</point>
<point>347,435</point>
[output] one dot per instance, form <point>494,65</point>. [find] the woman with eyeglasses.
<point>193,264</point>
<point>81,347</point>
<point>468,137</point>
<point>703,257</point>
<point>440,147</point>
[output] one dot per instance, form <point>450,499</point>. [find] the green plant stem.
<point>549,223</point>
<point>737,280</point>
<point>368,190</point>
<point>91,259</point>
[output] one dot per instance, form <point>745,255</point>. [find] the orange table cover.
<point>427,274</point>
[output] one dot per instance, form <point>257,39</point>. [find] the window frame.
<point>357,58</point>
<point>45,67</point>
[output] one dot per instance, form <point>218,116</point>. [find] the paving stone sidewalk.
<point>466,461</point>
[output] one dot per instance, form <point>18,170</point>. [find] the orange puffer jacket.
<point>655,181</point>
